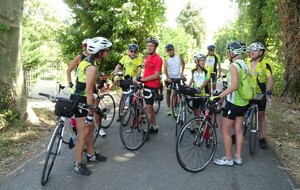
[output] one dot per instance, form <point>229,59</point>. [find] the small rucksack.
<point>246,87</point>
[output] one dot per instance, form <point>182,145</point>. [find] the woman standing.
<point>235,106</point>
<point>98,49</point>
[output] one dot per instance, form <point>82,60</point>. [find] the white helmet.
<point>98,43</point>
<point>257,46</point>
<point>199,56</point>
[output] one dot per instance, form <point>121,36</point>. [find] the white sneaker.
<point>237,161</point>
<point>102,132</point>
<point>223,161</point>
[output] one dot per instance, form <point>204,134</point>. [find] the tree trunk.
<point>11,73</point>
<point>290,18</point>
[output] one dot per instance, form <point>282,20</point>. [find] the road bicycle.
<point>126,99</point>
<point>251,123</point>
<point>64,132</point>
<point>135,125</point>
<point>197,141</point>
<point>107,105</point>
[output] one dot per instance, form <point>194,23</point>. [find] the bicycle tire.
<point>134,130</point>
<point>108,106</point>
<point>55,142</point>
<point>191,151</point>
<point>121,106</point>
<point>175,105</point>
<point>156,105</point>
<point>253,132</point>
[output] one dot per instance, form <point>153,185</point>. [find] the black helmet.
<point>152,40</point>
<point>236,47</point>
<point>169,46</point>
<point>133,47</point>
<point>211,47</point>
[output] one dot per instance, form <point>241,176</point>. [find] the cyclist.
<point>234,107</point>
<point>74,64</point>
<point>132,64</point>
<point>173,68</point>
<point>262,75</point>
<point>98,48</point>
<point>212,62</point>
<point>153,64</point>
<point>199,80</point>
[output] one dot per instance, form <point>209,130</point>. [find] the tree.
<point>40,26</point>
<point>184,43</point>
<point>190,18</point>
<point>11,73</point>
<point>121,21</point>
<point>290,18</point>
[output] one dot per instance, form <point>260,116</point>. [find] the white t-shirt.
<point>174,66</point>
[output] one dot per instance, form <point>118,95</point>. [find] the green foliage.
<point>190,18</point>
<point>121,21</point>
<point>40,25</point>
<point>184,43</point>
<point>4,26</point>
<point>8,112</point>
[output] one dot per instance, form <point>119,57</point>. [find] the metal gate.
<point>45,79</point>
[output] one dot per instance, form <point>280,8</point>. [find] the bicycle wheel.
<point>253,132</point>
<point>134,128</point>
<point>108,107</point>
<point>51,152</point>
<point>191,151</point>
<point>121,106</point>
<point>175,102</point>
<point>156,105</point>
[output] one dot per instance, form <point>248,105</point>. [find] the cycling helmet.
<point>169,46</point>
<point>133,47</point>
<point>236,47</point>
<point>199,56</point>
<point>257,46</point>
<point>98,43</point>
<point>85,41</point>
<point>211,47</point>
<point>152,40</point>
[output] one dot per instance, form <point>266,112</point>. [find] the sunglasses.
<point>133,51</point>
<point>169,50</point>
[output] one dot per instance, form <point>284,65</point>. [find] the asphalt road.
<point>152,167</point>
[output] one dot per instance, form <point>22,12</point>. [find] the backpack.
<point>246,88</point>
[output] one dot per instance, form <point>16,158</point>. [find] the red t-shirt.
<point>153,63</point>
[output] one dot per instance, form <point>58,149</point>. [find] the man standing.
<point>212,61</point>
<point>173,68</point>
<point>153,64</point>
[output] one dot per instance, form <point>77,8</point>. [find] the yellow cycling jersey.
<point>260,75</point>
<point>131,65</point>
<point>211,63</point>
<point>80,87</point>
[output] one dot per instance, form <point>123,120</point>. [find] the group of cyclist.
<point>208,69</point>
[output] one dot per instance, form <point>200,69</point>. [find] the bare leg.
<point>239,136</point>
<point>225,128</point>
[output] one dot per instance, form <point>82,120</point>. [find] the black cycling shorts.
<point>150,100</point>
<point>232,111</point>
<point>80,99</point>
<point>168,84</point>
<point>199,103</point>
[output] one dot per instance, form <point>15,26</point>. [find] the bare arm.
<point>91,73</point>
<point>139,71</point>
<point>182,65</point>
<point>166,69</point>
<point>117,68</point>
<point>72,66</point>
<point>152,77</point>
<point>270,83</point>
<point>220,69</point>
<point>234,79</point>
